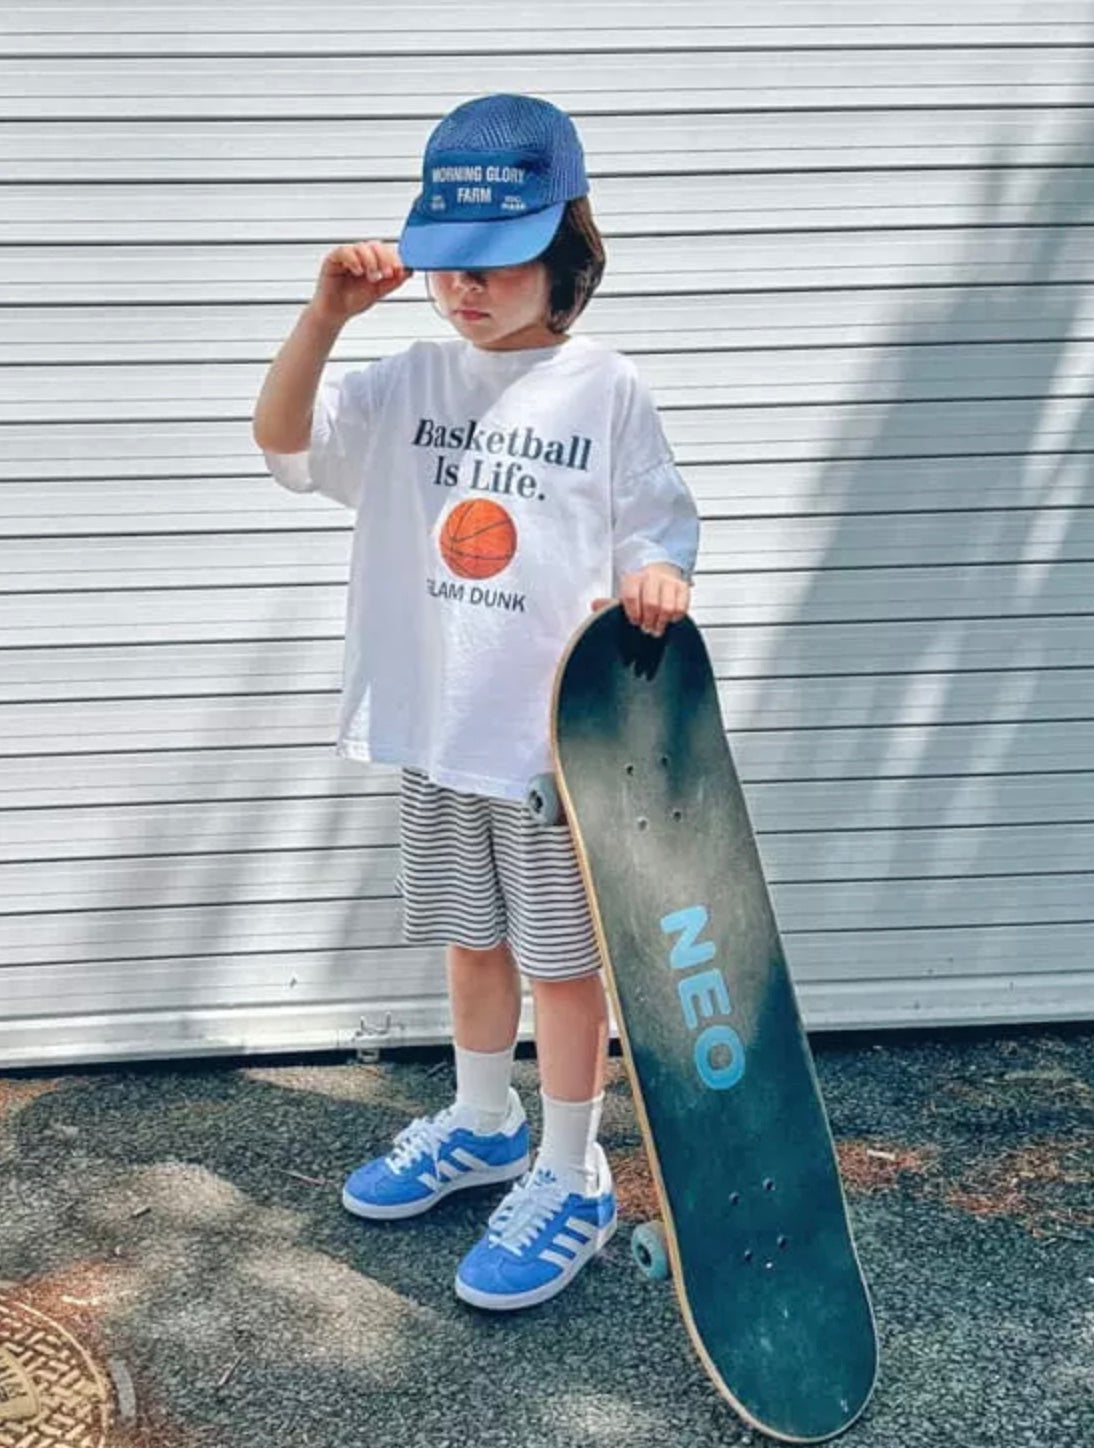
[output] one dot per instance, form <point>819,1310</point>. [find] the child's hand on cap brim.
<point>357,275</point>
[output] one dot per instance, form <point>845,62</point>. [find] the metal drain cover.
<point>51,1392</point>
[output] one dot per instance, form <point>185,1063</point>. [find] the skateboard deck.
<point>725,1089</point>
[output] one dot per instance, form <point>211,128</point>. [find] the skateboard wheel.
<point>542,800</point>
<point>650,1249</point>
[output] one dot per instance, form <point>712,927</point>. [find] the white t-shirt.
<point>497,495</point>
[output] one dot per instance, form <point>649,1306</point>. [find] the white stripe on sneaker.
<point>574,1244</point>
<point>555,1258</point>
<point>581,1227</point>
<point>449,1169</point>
<point>465,1158</point>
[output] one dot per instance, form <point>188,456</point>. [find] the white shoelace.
<point>424,1136</point>
<point>526,1210</point>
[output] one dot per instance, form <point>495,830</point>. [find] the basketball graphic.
<point>478,539</point>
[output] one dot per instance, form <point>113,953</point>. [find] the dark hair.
<point>575,264</point>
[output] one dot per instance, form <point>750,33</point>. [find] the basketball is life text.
<point>520,444</point>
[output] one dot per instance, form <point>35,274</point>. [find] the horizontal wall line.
<point>325,118</point>
<point>38,243</point>
<point>798,289</point>
<point>356,951</point>
<point>237,902</point>
<point>892,343</point>
<point>308,178</point>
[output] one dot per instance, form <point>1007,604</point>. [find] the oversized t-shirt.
<point>497,495</point>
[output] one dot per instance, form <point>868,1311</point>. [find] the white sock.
<point>482,1085</point>
<point>569,1135</point>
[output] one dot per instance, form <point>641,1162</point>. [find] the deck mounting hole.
<point>746,1255</point>
<point>734,1198</point>
<point>769,1185</point>
<point>630,769</point>
<point>783,1241</point>
<point>678,814</point>
<point>664,761</point>
<point>643,822</point>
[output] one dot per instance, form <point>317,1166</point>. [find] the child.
<point>505,483</point>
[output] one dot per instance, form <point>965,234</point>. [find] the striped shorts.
<point>476,871</point>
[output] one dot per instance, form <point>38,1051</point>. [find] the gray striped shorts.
<point>476,871</point>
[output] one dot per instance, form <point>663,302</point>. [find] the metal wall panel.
<point>853,260</point>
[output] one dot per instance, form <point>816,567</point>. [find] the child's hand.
<point>652,598</point>
<point>356,276</point>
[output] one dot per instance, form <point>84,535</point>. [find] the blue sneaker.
<point>436,1155</point>
<point>538,1240</point>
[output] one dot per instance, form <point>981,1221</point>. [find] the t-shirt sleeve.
<point>343,425</point>
<point>654,517</point>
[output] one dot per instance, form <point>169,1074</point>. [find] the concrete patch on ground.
<point>348,1319</point>
<point>181,1197</point>
<point>612,1420</point>
<point>203,1270</point>
<point>367,1085</point>
<point>207,1291</point>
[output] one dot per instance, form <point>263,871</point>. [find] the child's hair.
<point>575,265</point>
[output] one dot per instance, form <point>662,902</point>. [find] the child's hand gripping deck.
<point>764,1266</point>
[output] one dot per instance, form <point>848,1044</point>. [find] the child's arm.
<point>655,522</point>
<point>352,278</point>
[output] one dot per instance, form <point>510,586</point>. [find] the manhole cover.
<point>50,1390</point>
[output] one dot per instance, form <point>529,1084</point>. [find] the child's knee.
<point>590,985</point>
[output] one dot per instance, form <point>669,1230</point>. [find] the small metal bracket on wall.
<point>369,1037</point>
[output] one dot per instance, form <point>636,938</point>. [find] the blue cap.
<point>496,176</point>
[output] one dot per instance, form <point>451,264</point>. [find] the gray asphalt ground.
<point>185,1222</point>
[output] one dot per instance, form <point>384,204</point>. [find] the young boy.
<point>504,483</point>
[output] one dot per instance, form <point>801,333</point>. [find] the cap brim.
<point>428,245</point>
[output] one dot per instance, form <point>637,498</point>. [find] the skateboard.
<point>754,1227</point>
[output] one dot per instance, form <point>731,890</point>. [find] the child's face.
<point>501,309</point>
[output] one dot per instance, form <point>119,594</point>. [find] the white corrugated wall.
<point>850,248</point>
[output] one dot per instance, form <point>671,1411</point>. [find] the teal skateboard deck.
<point>755,1224</point>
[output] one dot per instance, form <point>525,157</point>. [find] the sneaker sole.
<point>393,1211</point>
<point>493,1302</point>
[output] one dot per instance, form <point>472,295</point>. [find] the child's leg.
<point>571,1036</point>
<point>556,1219</point>
<point>571,1045</point>
<point>449,892</point>
<point>482,1137</point>
<point>484,993</point>
<point>563,1213</point>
